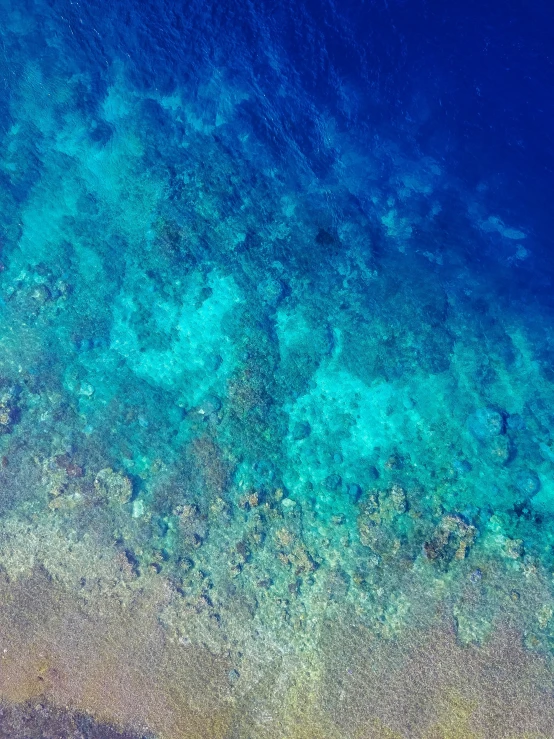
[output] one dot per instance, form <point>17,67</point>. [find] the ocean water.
<point>276,369</point>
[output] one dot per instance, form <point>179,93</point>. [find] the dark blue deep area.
<point>473,82</point>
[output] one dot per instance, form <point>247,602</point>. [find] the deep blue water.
<point>468,83</point>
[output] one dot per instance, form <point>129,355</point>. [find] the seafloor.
<point>276,457</point>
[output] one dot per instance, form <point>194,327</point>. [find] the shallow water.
<point>276,381</point>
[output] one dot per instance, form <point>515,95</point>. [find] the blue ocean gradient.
<point>276,349</point>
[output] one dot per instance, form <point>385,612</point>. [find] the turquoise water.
<point>261,393</point>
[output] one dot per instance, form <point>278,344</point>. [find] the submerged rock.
<point>113,487</point>
<point>354,491</point>
<point>461,466</point>
<point>501,450</point>
<point>476,576</point>
<point>333,482</point>
<point>398,500</point>
<point>210,405</point>
<point>528,482</point>
<point>513,548</point>
<point>213,362</point>
<point>9,411</point>
<point>301,431</point>
<point>7,417</point>
<point>40,294</point>
<point>271,291</point>
<point>486,423</point>
<point>451,539</point>
<point>376,521</point>
<point>372,472</point>
<point>381,539</point>
<point>384,506</point>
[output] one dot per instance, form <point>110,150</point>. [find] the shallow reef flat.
<point>276,440</point>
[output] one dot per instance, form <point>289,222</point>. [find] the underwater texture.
<point>276,369</point>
